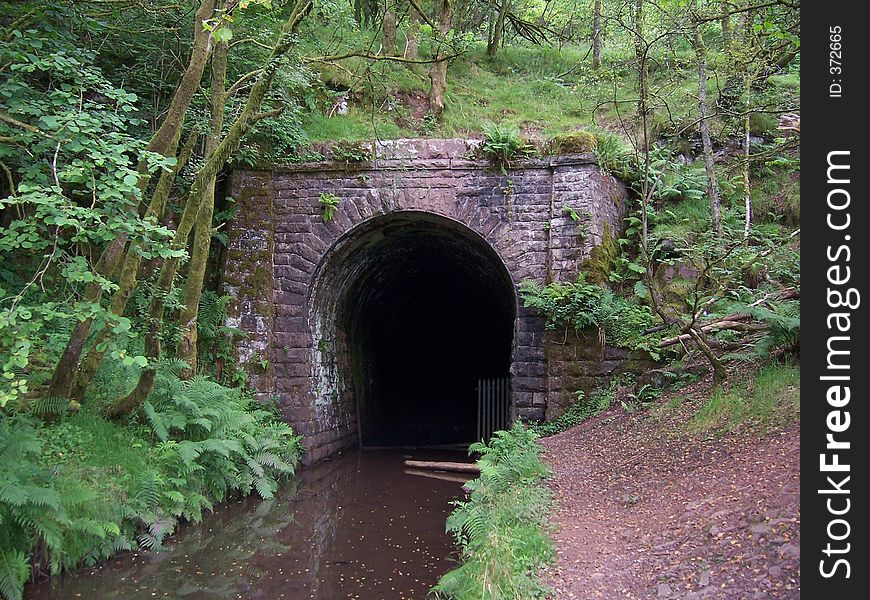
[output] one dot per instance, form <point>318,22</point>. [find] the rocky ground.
<point>646,509</point>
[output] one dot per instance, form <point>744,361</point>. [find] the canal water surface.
<point>356,526</point>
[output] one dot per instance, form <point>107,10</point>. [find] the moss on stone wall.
<point>602,258</point>
<point>577,142</point>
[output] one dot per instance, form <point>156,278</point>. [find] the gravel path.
<point>646,510</point>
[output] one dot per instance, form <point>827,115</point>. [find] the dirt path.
<point>644,512</point>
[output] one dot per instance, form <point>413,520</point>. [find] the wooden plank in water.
<point>443,466</point>
<point>458,478</point>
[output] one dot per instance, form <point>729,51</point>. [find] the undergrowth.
<point>81,488</point>
<point>502,529</point>
<point>767,399</point>
<point>580,305</point>
<point>601,398</point>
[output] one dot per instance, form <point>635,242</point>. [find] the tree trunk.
<point>640,50</point>
<point>725,21</point>
<point>62,377</point>
<point>129,275</point>
<point>704,115</point>
<point>164,142</point>
<point>747,195</point>
<point>412,37</point>
<point>187,318</point>
<point>241,126</point>
<point>719,372</point>
<point>494,41</point>
<point>438,69</point>
<point>596,34</point>
<point>388,37</point>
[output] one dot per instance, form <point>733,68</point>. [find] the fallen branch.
<point>736,321</point>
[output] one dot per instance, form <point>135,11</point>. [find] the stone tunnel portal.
<point>408,311</point>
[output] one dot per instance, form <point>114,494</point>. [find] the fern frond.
<point>48,406</point>
<point>14,571</point>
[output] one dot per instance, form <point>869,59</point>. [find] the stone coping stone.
<point>428,154</point>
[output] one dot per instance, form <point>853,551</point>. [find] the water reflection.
<point>354,527</point>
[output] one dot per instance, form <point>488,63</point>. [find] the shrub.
<point>351,152</point>
<point>502,529</point>
<point>328,202</point>
<point>580,305</point>
<point>503,145</point>
<point>578,411</point>
<point>45,525</point>
<point>82,488</point>
<point>216,442</point>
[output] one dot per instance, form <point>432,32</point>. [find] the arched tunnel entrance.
<point>408,311</point>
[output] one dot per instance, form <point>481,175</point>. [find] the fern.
<point>14,571</point>
<point>201,442</point>
<point>48,406</point>
<point>503,144</point>
<point>217,442</point>
<point>783,328</point>
<point>501,529</point>
<point>579,305</point>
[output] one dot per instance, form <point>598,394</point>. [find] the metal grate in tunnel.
<point>493,406</point>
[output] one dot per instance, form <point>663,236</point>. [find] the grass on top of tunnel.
<point>561,93</point>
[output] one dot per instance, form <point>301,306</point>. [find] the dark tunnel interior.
<point>427,308</point>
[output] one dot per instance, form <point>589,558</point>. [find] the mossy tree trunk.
<point>249,116</point>
<point>640,55</point>
<point>62,376</point>
<point>725,22</point>
<point>438,69</point>
<point>388,31</point>
<point>494,41</point>
<point>129,275</point>
<point>412,36</point>
<point>704,116</point>
<point>187,319</point>
<point>747,148</point>
<point>165,142</point>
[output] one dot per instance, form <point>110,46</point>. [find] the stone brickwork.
<point>280,248</point>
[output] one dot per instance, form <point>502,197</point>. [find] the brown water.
<point>356,526</point>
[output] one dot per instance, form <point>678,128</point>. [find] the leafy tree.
<point>73,173</point>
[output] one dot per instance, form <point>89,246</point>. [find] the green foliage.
<point>768,398</point>
<point>351,152</point>
<point>614,156</point>
<point>580,305</point>
<point>38,513</point>
<point>217,354</point>
<point>328,202</point>
<point>216,441</point>
<point>783,329</point>
<point>503,144</point>
<point>69,160</point>
<point>82,488</point>
<point>502,528</point>
<point>602,398</point>
<point>576,412</point>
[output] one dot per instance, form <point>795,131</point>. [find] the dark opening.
<point>427,309</point>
